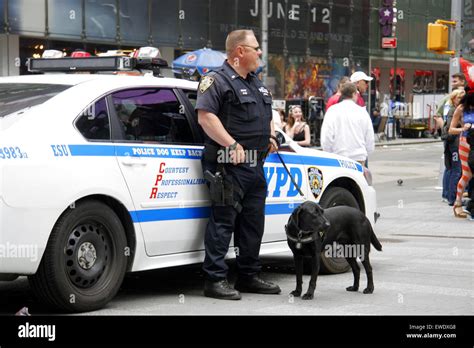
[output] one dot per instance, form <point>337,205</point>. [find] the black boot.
<point>220,290</point>
<point>256,285</point>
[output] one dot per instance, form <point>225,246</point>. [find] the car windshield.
<point>18,96</point>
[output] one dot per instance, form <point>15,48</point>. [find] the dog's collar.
<point>309,239</point>
<point>302,237</point>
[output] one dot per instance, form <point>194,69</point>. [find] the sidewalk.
<point>399,142</point>
<point>406,141</point>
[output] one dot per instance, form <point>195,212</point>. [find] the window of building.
<point>423,82</point>
<point>442,82</point>
<point>93,123</point>
<point>166,15</point>
<point>65,18</point>
<point>152,115</point>
<point>101,19</point>
<point>27,17</point>
<point>2,17</point>
<point>195,14</point>
<point>134,26</point>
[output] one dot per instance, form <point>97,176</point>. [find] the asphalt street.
<point>426,267</point>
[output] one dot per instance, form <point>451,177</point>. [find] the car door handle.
<point>132,162</point>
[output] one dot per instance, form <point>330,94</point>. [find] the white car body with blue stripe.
<point>49,169</point>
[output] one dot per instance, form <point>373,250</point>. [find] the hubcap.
<point>86,255</point>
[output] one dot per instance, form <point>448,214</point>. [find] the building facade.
<point>312,43</point>
<point>418,71</point>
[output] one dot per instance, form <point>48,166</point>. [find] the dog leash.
<point>291,176</point>
<point>303,237</point>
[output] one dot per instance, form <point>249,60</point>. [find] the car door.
<point>160,159</point>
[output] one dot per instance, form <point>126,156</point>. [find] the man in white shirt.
<point>347,128</point>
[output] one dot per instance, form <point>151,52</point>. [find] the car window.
<point>18,96</point>
<point>192,96</point>
<point>94,121</point>
<point>153,115</point>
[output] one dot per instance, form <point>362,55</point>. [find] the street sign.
<point>389,42</point>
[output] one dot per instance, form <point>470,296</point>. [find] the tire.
<point>84,262</point>
<point>335,196</point>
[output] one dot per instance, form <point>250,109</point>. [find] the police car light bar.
<point>81,64</point>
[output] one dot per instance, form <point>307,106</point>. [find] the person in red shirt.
<point>361,80</point>
<point>336,97</point>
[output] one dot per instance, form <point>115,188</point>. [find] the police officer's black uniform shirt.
<point>244,106</point>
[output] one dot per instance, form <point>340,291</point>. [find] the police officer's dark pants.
<point>247,226</point>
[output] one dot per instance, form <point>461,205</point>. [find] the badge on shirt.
<point>243,91</point>
<point>264,91</point>
<point>205,83</point>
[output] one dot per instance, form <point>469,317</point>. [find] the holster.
<point>223,190</point>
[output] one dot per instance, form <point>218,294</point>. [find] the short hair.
<point>343,80</point>
<point>459,76</point>
<point>235,38</point>
<point>347,90</point>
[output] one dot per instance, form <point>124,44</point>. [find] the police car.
<point>101,175</point>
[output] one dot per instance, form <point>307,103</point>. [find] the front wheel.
<point>85,260</point>
<point>336,196</point>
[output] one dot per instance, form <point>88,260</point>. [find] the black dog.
<point>311,230</point>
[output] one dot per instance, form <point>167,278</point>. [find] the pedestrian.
<point>452,162</point>
<point>282,118</point>
<point>347,129</point>
<point>376,117</point>
<point>464,115</point>
<point>470,141</point>
<point>297,128</point>
<point>335,98</point>
<point>235,111</point>
<point>362,81</point>
<point>458,82</point>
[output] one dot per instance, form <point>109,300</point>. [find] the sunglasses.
<point>256,49</point>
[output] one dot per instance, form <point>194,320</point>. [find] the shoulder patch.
<point>205,83</point>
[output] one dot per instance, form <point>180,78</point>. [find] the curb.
<point>396,143</point>
<point>407,142</point>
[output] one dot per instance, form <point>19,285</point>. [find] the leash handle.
<point>291,176</point>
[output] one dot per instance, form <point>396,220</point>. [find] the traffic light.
<point>438,37</point>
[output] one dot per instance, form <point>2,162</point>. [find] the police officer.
<point>234,110</point>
